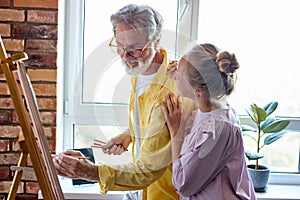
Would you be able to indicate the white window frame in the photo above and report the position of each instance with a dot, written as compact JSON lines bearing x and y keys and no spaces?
{"x":69,"y":69}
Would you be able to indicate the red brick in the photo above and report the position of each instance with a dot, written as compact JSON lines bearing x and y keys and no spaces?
{"x":35,"y":31}
{"x":37,"y":60}
{"x":44,"y":89}
{"x":13,"y":44}
{"x":9,"y":131}
{"x":5,"y":186}
{"x":42,"y":75}
{"x":32,"y":187}
{"x":46,"y":103}
{"x":50,"y":132}
{"x":9,"y":158}
{"x":36,"y":3}
{"x":4,"y":145}
{"x":53,"y":132}
{"x":4,"y":89}
{"x":4,"y":172}
{"x":26,"y":197}
{"x":41,"y":16}
{"x":48,"y":118}
{"x":41,"y":46}
{"x":5,"y":117}
{"x":29,"y":175}
{"x":2,"y":77}
{"x":16,"y":146}
{"x":6,"y":103}
{"x":5,"y":3}
{"x":12,"y":15}
{"x":15,"y":119}
{"x":52,"y":145}
{"x":5,"y":30}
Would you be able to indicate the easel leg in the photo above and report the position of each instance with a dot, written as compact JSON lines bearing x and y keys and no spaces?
{"x":18,"y":174}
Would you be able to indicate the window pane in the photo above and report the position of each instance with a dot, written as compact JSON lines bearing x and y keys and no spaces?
{"x":265,"y":38}
{"x":282,"y":155}
{"x":104,"y":79}
{"x":84,"y":138}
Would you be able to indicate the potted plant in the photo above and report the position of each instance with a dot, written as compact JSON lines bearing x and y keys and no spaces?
{"x":266,"y":130}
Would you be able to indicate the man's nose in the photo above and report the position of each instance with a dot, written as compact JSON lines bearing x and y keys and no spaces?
{"x":125,"y":54}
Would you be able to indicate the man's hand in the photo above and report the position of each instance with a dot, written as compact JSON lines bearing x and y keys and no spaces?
{"x":68,"y":164}
{"x":117,"y":145}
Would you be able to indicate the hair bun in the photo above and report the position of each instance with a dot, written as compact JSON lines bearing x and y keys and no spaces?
{"x":227,"y":62}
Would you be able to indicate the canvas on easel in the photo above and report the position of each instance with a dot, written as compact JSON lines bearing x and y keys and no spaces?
{"x":32,"y":138}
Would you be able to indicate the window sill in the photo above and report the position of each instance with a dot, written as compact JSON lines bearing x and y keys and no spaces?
{"x":280,"y":192}
{"x":85,"y":192}
{"x":91,"y":192}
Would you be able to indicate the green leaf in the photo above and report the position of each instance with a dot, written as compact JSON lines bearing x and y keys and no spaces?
{"x":253,"y":156}
{"x":268,"y":121}
{"x":270,"y":107}
{"x":262,"y":115}
{"x":256,"y":113}
{"x":275,"y":136}
{"x":251,"y":113}
{"x":276,"y":126}
{"x":248,"y":128}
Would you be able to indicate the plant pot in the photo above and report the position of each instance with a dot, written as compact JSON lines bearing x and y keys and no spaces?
{"x":259,"y":177}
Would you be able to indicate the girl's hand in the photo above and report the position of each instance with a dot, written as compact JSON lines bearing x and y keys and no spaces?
{"x":174,"y":116}
{"x":172,"y":68}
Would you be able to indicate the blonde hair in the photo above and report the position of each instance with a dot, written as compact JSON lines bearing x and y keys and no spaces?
{"x":211,"y":68}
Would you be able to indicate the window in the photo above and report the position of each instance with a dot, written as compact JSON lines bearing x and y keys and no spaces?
{"x":94,"y":87}
{"x":265,"y":40}
{"x":91,"y":101}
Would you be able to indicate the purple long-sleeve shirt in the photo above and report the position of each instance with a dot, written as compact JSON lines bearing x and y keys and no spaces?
{"x":212,"y":164}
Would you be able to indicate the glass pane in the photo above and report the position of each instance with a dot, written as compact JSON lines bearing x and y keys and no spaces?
{"x":282,"y":155}
{"x":104,"y":79}
{"x":265,"y":39}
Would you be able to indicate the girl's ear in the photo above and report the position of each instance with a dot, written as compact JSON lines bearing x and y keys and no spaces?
{"x":198,"y":92}
{"x":201,"y":92}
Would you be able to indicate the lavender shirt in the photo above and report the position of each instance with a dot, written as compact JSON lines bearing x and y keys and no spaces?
{"x":212,"y":165}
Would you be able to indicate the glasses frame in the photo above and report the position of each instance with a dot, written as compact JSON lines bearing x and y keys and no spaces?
{"x":141,"y":50}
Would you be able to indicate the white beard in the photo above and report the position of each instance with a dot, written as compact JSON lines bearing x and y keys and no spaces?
{"x":142,"y":66}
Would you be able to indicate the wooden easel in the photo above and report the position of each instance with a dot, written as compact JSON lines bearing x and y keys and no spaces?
{"x":32,"y":138}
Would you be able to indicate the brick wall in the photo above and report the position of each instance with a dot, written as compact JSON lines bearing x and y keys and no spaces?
{"x":29,"y":26}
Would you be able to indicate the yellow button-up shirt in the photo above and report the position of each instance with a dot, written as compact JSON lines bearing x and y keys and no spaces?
{"x":152,"y":170}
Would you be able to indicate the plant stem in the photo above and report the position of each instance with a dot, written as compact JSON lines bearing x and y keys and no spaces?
{"x":258,"y":144}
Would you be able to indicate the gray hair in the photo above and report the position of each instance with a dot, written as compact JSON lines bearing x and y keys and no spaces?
{"x":141,"y":18}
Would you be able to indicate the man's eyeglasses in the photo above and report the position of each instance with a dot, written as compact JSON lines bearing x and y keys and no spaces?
{"x":137,"y":53}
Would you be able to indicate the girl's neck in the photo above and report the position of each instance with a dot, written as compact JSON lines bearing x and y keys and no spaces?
{"x":206,"y":105}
